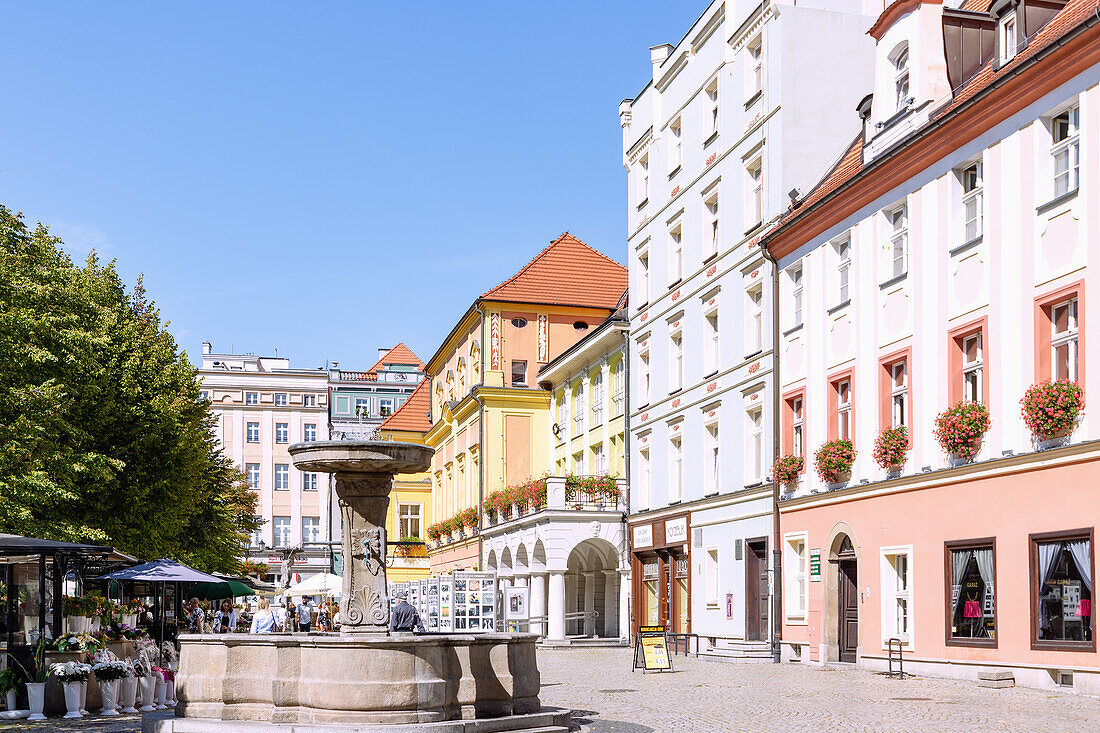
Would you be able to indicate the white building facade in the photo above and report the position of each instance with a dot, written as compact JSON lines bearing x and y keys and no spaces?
{"x":747,"y":106}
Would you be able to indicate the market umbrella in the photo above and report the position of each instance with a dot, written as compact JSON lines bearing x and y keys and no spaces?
{"x":321,"y":584}
{"x":224,"y":589}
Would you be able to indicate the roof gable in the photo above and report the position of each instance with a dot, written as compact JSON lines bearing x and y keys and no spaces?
{"x":399,"y":354}
{"x":413,"y":413}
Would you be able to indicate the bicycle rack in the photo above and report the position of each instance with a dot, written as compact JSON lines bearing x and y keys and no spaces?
{"x":893,"y":647}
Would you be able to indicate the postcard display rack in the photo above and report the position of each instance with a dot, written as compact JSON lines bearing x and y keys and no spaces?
{"x":456,"y":602}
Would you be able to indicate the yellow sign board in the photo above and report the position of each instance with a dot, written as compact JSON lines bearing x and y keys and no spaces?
{"x":651,"y":650}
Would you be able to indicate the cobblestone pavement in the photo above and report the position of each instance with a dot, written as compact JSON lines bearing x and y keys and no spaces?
{"x":713,"y":695}
{"x":90,"y":724}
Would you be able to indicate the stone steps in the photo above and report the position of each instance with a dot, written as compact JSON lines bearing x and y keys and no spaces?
{"x":996,"y":680}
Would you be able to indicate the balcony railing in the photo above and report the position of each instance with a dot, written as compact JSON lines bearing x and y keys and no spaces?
{"x":345,"y":376}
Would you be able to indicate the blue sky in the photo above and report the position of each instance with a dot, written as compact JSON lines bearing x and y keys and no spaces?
{"x":322,"y":178}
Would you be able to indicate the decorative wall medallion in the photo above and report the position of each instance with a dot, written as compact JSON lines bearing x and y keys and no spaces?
{"x":712,"y":413}
{"x":754,"y":274}
{"x":755,"y":397}
{"x":645,"y":416}
{"x":676,"y":295}
{"x":676,"y":402}
{"x":712,"y":386}
{"x":711,"y":301}
{"x":713,"y":269}
{"x":645,"y":316}
{"x":754,"y":367}
{"x":713,"y":157}
{"x":674,"y":192}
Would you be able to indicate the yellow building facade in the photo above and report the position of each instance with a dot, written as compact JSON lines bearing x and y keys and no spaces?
{"x":491,"y":421}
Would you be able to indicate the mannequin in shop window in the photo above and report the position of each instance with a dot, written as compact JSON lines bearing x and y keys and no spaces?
{"x":1065,"y":593}
{"x":973,"y":602}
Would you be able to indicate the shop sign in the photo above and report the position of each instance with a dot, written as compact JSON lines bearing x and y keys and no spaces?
{"x":676,"y":531}
{"x":729,"y":606}
{"x":815,"y":566}
{"x":517,"y":603}
{"x":643,"y":536}
{"x":651,"y":650}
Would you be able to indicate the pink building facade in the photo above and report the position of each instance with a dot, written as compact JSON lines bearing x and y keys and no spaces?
{"x":950,"y":255}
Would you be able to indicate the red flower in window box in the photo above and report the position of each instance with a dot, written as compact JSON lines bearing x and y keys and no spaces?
{"x":787,"y":470}
{"x":961,"y":428}
{"x":833,"y":461}
{"x":1050,"y":409}
{"x":891,"y":445}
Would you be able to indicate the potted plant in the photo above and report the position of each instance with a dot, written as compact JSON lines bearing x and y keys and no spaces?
{"x":36,"y":677}
{"x":891,"y":445}
{"x":109,"y":673}
{"x":127,"y":694}
{"x":1051,"y":409}
{"x":833,"y":461}
{"x":536,"y":493}
{"x":71,"y":675}
{"x":162,"y":676}
{"x":961,"y":428}
{"x":787,"y":470}
{"x":9,"y":687}
{"x":468,"y":517}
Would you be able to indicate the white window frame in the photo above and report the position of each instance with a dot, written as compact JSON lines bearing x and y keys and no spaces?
{"x":599,"y":461}
{"x":309,"y":481}
{"x":712,"y":458}
{"x":675,"y":255}
{"x":643,"y":265}
{"x":309,"y":432}
{"x":754,"y":334}
{"x":901,"y":78}
{"x":1070,"y":147}
{"x":711,"y":575}
{"x":676,"y":361}
{"x":972,"y":371}
{"x":309,"y":400}
{"x":280,"y":531}
{"x":643,"y":180}
{"x":754,"y":67}
{"x":796,"y":569}
{"x":312,"y":532}
{"x":797,"y":276}
{"x":248,"y":432}
{"x":618,"y":397}
{"x":675,"y":145}
{"x":252,"y":470}
{"x":972,"y":201}
{"x":714,"y":233}
{"x":893,"y":592}
{"x":754,"y":445}
{"x":712,"y":343}
{"x":843,"y":410}
{"x":644,"y":378}
{"x":282,"y":476}
{"x":1067,"y":338}
{"x":712,"y":96}
{"x":1006,"y":31}
{"x":252,"y":398}
{"x":798,"y":433}
{"x":280,"y":399}
{"x":579,"y":466}
{"x":282,"y":432}
{"x":897,"y":224}
{"x":899,"y":393}
{"x":597,"y":398}
{"x":402,"y":518}
{"x":523,"y":373}
{"x":644,"y":479}
{"x":385,"y":406}
{"x":843,"y":250}
{"x":563,"y":415}
{"x":676,"y":468}
{"x":580,"y":409}
{"x":754,"y":188}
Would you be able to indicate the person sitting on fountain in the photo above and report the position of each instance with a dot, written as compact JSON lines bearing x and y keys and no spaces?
{"x":404,"y":616}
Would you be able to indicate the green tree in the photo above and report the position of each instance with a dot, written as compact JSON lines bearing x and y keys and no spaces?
{"x":103,"y":435}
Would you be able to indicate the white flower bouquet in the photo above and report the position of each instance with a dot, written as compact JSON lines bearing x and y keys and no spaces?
{"x":111,"y":670}
{"x":70,"y":671}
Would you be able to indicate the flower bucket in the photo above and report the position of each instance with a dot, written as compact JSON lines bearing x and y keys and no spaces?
{"x":148,"y":684}
{"x":840,"y":478}
{"x":108,"y":689}
{"x":162,"y":689}
{"x":72,"y":699}
{"x":36,"y":699}
{"x":130,"y":619}
{"x":128,"y":694}
{"x":170,"y":695}
{"x":78,"y":624}
{"x":84,"y":697}
{"x":11,"y":699}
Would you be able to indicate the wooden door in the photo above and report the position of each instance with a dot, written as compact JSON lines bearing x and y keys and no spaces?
{"x":666,"y":589}
{"x":848,"y":607}
{"x":756,"y":591}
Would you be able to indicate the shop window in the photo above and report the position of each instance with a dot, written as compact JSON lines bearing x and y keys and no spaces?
{"x":1062,"y":572}
{"x":972,"y":602}
{"x":711,"y":576}
{"x":649,"y":584}
{"x":897,"y":594}
{"x":797,"y":572}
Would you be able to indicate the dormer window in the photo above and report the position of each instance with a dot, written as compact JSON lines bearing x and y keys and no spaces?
{"x":900,"y":60}
{"x":1006,"y":32}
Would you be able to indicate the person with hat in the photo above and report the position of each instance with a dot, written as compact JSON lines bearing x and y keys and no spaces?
{"x":404,"y":616}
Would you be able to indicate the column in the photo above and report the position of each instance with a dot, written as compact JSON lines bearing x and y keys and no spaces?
{"x":610,"y":602}
{"x":589,"y":603}
{"x":624,"y":603}
{"x":605,"y":375}
{"x":538,"y":602}
{"x":556,"y":606}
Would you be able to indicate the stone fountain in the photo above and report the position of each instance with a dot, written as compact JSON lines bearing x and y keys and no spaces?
{"x":364,"y":678}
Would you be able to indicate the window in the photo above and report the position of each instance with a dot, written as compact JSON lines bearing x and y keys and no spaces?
{"x":643,"y":378}
{"x":972,"y":368}
{"x":675,"y":146}
{"x":897,"y":595}
{"x":971,"y":606}
{"x":755,"y":458}
{"x":643,"y":479}
{"x":712,"y":465}
{"x":280,"y":399}
{"x":1062,"y":572}
{"x":754,"y":68}
{"x":309,"y":481}
{"x":311,"y":529}
{"x":899,"y":239}
{"x":519,"y":322}
{"x":710,"y":344}
{"x":676,"y":361}
{"x":972,"y":202}
{"x":901,"y":77}
{"x":519,"y":373}
{"x":580,"y":413}
{"x":1007,"y":37}
{"x":675,"y":256}
{"x":643,"y":266}
{"x":309,"y":432}
{"x":597,"y":398}
{"x":282,"y":476}
{"x":281,"y":529}
{"x":797,"y":572}
{"x":1063,"y":340}
{"x":362,"y":407}
{"x":618,"y":397}
{"x":1066,"y":151}
{"x":711,"y":574}
{"x":796,"y":426}
{"x":253,"y":433}
{"x":712,"y":234}
{"x":712,"y":96}
{"x":578,"y":464}
{"x":676,"y":470}
{"x":843,"y":266}
{"x":843,"y":394}
{"x":643,"y":180}
{"x":309,"y":400}
{"x":282,"y":432}
{"x":253,"y":472}
{"x":252,"y":398}
{"x":599,"y":461}
{"x":408,"y":517}
{"x":563,"y":414}
{"x":796,"y":295}
{"x":257,"y":535}
{"x":385,"y":406}
{"x":755,"y":199}
{"x":899,"y":394}
{"x":755,"y":333}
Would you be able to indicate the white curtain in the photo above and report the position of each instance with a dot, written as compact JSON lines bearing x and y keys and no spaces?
{"x":1081,"y":553}
{"x":959,"y":561}
{"x":1049,"y":552}
{"x":985,"y":564}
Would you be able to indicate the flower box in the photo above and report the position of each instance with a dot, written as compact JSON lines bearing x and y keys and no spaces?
{"x":833,"y":461}
{"x":891,"y":447}
{"x":960,"y":430}
{"x":787,"y":470}
{"x":1051,"y":409}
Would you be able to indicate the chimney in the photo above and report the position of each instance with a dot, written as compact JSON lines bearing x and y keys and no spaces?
{"x":382,"y":353}
{"x":657,"y":56}
{"x":206,"y":347}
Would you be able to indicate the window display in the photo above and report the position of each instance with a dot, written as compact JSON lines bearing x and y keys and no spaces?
{"x":973,"y":607}
{"x":1062,"y":570}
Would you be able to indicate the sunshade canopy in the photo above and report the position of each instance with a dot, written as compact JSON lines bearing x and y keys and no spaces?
{"x":223,"y":589}
{"x":162,"y":570}
{"x":321,"y":584}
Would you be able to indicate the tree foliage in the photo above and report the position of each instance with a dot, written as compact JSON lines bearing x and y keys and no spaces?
{"x":103,"y":435}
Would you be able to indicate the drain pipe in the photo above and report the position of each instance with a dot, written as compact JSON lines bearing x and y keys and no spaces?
{"x":777,"y":572}
{"x":627,"y":539}
{"x":481,"y":442}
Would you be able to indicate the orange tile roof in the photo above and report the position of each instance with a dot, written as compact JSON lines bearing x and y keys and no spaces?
{"x":413,"y":413}
{"x":568,"y":272}
{"x":976,"y":6}
{"x":399,"y":354}
{"x":851,"y":165}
